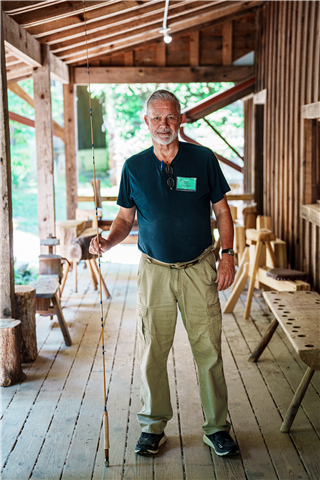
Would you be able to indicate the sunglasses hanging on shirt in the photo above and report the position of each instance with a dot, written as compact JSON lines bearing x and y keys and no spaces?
{"x":170,"y":181}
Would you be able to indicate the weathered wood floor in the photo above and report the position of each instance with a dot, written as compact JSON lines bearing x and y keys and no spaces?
{"x":51,"y":423}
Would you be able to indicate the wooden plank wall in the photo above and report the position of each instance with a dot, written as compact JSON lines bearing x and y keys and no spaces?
{"x":289,"y":68}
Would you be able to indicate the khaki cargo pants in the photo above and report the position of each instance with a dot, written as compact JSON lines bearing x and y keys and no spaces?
{"x":160,"y":290}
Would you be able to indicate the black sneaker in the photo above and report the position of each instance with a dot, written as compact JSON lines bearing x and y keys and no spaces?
{"x":149,"y":443}
{"x":222,"y":443}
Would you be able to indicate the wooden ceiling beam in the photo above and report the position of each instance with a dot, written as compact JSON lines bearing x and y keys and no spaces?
{"x":116,"y":21}
{"x":16,"y":7}
{"x":56,"y":11}
{"x":162,"y":74}
{"x":46,"y":30}
{"x":28,"y":50}
{"x":132,"y":39}
{"x":141,"y":23}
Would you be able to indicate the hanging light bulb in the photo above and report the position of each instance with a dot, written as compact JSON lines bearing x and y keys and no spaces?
{"x":166,"y":36}
{"x":165,"y":29}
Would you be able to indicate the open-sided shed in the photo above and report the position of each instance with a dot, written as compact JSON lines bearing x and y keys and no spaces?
{"x":46,"y":39}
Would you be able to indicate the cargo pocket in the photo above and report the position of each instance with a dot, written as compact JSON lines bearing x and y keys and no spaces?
{"x":215,"y":321}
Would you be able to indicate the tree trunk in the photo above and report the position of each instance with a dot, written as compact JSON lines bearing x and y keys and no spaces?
{"x":25,"y":308}
{"x":10,"y":365}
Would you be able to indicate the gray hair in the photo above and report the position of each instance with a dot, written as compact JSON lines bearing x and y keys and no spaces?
{"x":164,"y":95}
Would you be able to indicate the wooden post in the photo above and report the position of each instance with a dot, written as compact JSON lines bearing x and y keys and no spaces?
{"x":44,"y":140}
{"x":25,"y":307}
{"x":10,"y":365}
{"x":70,"y":147}
{"x":258,"y":157}
{"x":6,"y":230}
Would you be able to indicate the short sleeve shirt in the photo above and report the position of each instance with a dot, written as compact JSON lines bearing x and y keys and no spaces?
{"x":174,"y":224}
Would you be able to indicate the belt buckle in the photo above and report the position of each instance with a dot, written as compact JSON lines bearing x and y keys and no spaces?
{"x":184,"y":266}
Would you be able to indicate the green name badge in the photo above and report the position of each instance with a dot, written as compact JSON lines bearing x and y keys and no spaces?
{"x":188,"y":184}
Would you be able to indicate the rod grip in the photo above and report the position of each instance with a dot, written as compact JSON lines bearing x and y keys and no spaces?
{"x":106,"y":430}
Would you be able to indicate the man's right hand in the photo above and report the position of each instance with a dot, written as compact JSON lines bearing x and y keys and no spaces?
{"x":103,"y":244}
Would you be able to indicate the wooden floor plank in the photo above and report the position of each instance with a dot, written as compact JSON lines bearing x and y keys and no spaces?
{"x":29,"y":443}
{"x":196,"y":453}
{"x":169,"y":462}
{"x":54,"y":451}
{"x":254,"y":454}
{"x":284,"y":458}
{"x":261,"y":308}
{"x":304,"y":437}
{"x":43,"y":328}
{"x":119,"y":393}
{"x":19,"y":409}
{"x":287,"y":359}
{"x":81,"y":456}
{"x":136,"y":467}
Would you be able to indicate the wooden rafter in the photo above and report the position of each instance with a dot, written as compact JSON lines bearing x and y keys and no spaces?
{"x":138,"y":36}
{"x":74,"y":24}
{"x":142,"y":23}
{"x":26,"y":6}
{"x":56,"y":11}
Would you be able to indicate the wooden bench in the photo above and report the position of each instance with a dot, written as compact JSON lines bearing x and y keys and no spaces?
{"x":298,"y":313}
{"x":47,"y":287}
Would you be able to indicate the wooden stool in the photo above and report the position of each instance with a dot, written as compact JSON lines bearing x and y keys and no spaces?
{"x":256,"y":256}
{"x":47,"y":287}
{"x":298,"y":315}
{"x":79,"y":250}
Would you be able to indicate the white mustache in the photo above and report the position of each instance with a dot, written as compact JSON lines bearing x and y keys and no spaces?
{"x":167,"y":130}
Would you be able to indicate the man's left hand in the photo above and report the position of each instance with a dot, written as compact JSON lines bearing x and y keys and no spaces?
{"x":225,"y":273}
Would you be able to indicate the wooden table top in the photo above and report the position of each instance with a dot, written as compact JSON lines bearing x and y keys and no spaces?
{"x":299,"y":315}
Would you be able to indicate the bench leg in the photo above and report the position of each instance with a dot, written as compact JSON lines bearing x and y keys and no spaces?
{"x":296,"y":401}
{"x":252,"y":281}
{"x":75,"y":274}
{"x":244,"y":259}
{"x":62,"y":322}
{"x":92,"y":275}
{"x":64,"y":277}
{"x":237,"y":290}
{"x":264,"y":341}
{"x":96,"y":270}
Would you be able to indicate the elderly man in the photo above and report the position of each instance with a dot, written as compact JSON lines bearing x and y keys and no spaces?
{"x":172,"y":186}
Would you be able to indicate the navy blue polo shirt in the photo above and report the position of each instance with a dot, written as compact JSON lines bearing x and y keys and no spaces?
{"x":174,"y":225}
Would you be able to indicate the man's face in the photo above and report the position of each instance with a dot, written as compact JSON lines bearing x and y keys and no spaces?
{"x":163,"y":121}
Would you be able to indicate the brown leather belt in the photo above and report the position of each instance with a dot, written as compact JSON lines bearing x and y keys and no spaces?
{"x":181,"y":266}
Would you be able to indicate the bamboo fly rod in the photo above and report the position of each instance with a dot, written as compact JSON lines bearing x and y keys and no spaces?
{"x":105,"y":413}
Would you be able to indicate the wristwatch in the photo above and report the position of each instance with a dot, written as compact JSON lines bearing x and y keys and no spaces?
{"x":229,"y":251}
